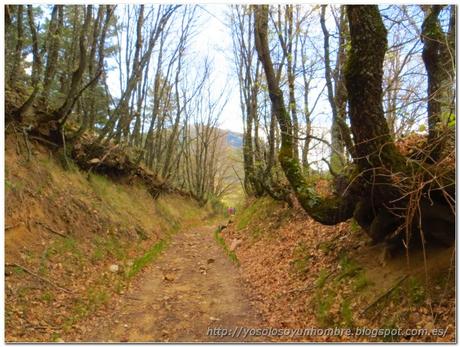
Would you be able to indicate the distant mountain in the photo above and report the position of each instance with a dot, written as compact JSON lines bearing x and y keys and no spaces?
{"x":234,"y":139}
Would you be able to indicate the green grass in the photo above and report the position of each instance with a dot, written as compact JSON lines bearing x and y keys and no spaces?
{"x":16,"y":187}
{"x":47,"y":296}
{"x":361,"y":282}
{"x":354,"y":226}
{"x":17,"y":270}
{"x":112,"y":194}
{"x":145,"y":259}
{"x":324,"y":302}
{"x":234,"y":197}
{"x":415,"y":290}
{"x":108,"y":246}
{"x":83,"y":306}
{"x":255,"y":232}
{"x":63,"y":247}
{"x":348,"y":268}
{"x":168,"y":218}
{"x":55,"y":336}
{"x":301,"y":259}
{"x":99,"y":254}
{"x":350,"y":275}
{"x":322,"y":277}
{"x":346,"y":313}
{"x":99,"y":294}
{"x":97,"y":297}
{"x":120,"y":211}
{"x":124,"y":206}
{"x":221,"y":242}
{"x":42,"y":270}
{"x":326,"y":247}
{"x":259,"y":210}
{"x":22,"y":292}
{"x":100,"y":184}
{"x":391,"y":326}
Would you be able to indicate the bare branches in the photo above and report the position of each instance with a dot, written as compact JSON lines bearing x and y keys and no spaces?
{"x":329,"y":211}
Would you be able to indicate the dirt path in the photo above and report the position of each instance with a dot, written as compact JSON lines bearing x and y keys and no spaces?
{"x":192,"y":287}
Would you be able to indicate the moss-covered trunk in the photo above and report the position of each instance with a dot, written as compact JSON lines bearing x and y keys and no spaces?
{"x":326,"y":211}
{"x":377,"y":199}
{"x":364,"y":71}
{"x":438,"y":56}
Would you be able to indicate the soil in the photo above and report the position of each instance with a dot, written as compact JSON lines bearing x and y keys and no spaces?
{"x":293,"y":273}
{"x":315,"y":276}
{"x":192,"y":288}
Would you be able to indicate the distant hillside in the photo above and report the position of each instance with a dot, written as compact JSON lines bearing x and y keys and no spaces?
{"x":234,"y":139}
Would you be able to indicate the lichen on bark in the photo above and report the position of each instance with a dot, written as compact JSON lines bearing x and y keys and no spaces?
{"x":375,"y":193}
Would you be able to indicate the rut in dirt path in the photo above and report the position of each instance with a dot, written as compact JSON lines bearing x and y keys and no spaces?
{"x":192,"y":287}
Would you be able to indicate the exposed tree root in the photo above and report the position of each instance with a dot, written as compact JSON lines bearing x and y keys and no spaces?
{"x":109,"y":159}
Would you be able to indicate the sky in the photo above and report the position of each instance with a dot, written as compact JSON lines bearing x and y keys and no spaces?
{"x":214,"y":39}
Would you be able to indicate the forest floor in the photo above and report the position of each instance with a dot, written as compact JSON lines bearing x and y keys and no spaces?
{"x":77,"y":243}
{"x":303,"y":275}
{"x":90,"y":259}
{"x":192,"y":290}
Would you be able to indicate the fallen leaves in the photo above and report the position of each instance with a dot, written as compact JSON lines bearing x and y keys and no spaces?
{"x":169,"y":277}
{"x":296,"y":273}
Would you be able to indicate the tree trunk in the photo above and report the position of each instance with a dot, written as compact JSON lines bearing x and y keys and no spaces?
{"x":54,"y":38}
{"x":36,"y":66}
{"x":17,"y":60}
{"x":291,"y":66}
{"x":375,"y":198}
{"x":337,"y":156}
{"x":438,"y":59}
{"x":327,"y":211}
{"x":64,"y":110}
